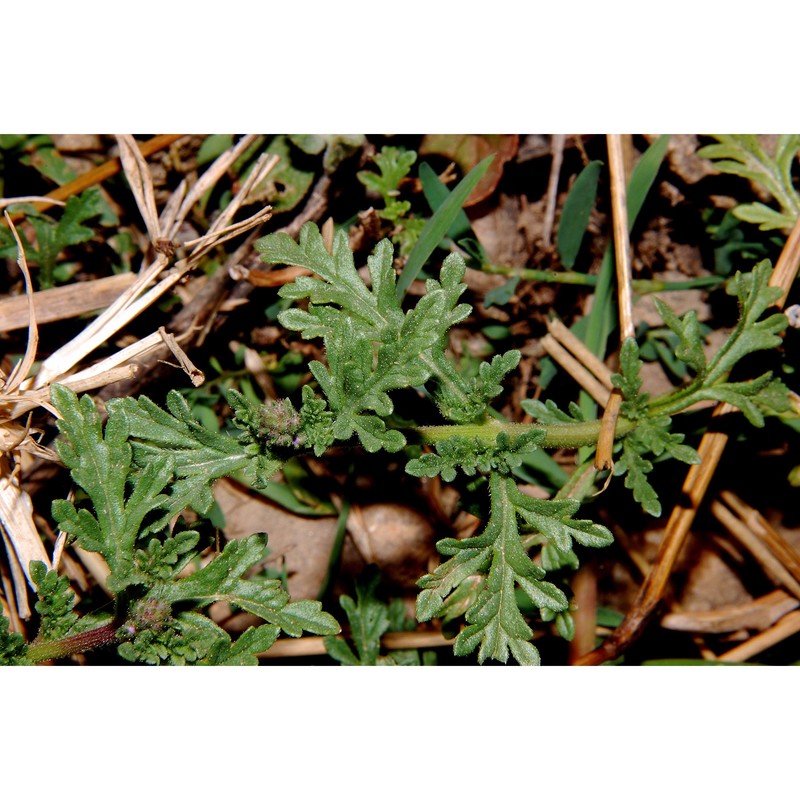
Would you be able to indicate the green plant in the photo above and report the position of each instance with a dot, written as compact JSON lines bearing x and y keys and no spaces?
{"x":148,"y":464}
{"x":369,"y":619}
{"x":394,"y":164}
{"x":53,"y":236}
{"x":374,"y":347}
{"x":138,"y":471}
{"x":743,"y":155}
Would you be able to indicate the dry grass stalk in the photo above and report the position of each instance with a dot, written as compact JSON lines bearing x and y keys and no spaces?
{"x":563,"y":335}
{"x":141,"y":183}
{"x":756,"y":615}
{"x":781,"y":549}
{"x":40,"y":398}
{"x":63,"y":302}
{"x":255,"y":365}
{"x":576,"y":370}
{"x":273,"y":277}
{"x":136,"y":298}
{"x":103,"y":327}
{"x":605,"y":443}
{"x":10,"y":610}
{"x":327,"y":230}
{"x":787,"y":626}
{"x":622,"y":246}
{"x":58,"y":549}
{"x":5,"y":202}
{"x":584,"y":587}
{"x":16,"y":437}
{"x":7,"y":604}
{"x":20,"y":536}
{"x":315,"y":645}
{"x":208,"y":179}
{"x":23,"y":366}
{"x":139,"y":352}
{"x":263,"y":166}
{"x":215,"y":238}
{"x":22,"y":540}
{"x":557,"y":151}
{"x":96,"y":566}
{"x":778,"y":560}
{"x":604,"y":455}
{"x":195,"y":375}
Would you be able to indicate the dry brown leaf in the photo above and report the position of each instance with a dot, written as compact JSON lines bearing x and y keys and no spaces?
{"x":395,"y":537}
{"x":469,"y":150}
{"x":301,"y":544}
{"x":504,"y":232}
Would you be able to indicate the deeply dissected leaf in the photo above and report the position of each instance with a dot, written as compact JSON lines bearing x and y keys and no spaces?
{"x":753,"y":398}
{"x":337,"y":147}
{"x":495,"y":624}
{"x":186,"y":638}
{"x":242,"y":652}
{"x":197,"y":455}
{"x":100,"y":463}
{"x":13,"y":646}
{"x":743,"y":155}
{"x":628,"y":381}
{"x":369,"y":620}
{"x":161,"y":561}
{"x":394,"y":164}
{"x":471,"y":455}
{"x":635,"y":467}
{"x":751,"y":333}
{"x":55,"y":603}
{"x":53,"y":237}
{"x":471,"y":401}
{"x":372,"y":346}
{"x":687,"y":328}
{"x":549,"y":413}
{"x":767,"y":219}
{"x":222,"y":579}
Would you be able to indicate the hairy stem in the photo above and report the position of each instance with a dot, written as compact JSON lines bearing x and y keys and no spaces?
{"x":70,"y":645}
{"x":643,"y":286}
{"x":569,"y":435}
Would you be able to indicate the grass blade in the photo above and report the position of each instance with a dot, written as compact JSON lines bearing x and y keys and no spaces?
{"x":575,"y":215}
{"x":436,"y":193}
{"x":439,"y":224}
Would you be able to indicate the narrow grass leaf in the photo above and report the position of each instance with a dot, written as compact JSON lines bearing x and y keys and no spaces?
{"x":438,"y":226}
{"x":576,"y":212}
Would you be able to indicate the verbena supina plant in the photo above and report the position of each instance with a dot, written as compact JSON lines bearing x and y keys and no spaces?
{"x":147,"y":464}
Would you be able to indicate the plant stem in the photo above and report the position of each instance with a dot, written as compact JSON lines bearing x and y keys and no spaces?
{"x":643,"y":286}
{"x":79,"y":643}
{"x":569,"y":435}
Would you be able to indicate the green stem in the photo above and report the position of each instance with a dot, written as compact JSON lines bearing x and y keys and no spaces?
{"x":70,"y":645}
{"x":643,"y":286}
{"x":568,"y":435}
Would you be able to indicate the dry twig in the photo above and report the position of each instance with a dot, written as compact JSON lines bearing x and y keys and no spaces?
{"x":557,"y":151}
